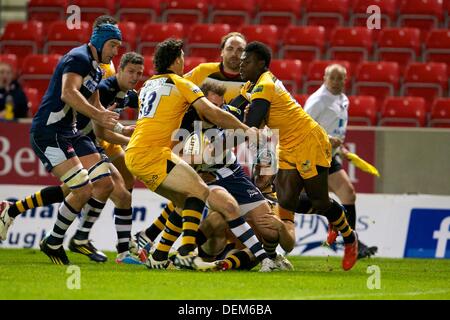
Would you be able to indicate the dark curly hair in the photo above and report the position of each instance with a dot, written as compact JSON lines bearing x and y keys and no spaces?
{"x":261,"y":51}
{"x":166,"y":53}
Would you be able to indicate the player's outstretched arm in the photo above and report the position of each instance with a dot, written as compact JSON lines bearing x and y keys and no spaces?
{"x":215,"y":115}
{"x":121,"y":133}
{"x":70,"y":94}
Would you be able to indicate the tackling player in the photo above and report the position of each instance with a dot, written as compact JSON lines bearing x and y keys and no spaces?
{"x":164,"y":99}
{"x":329,"y":107}
{"x":304,"y":154}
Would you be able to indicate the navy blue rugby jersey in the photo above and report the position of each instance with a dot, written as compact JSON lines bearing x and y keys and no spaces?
{"x":53,"y":113}
{"x":110,"y":93}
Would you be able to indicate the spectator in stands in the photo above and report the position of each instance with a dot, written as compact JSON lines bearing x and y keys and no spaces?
{"x":13,"y":101}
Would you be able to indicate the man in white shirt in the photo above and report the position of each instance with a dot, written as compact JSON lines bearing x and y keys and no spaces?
{"x":329,"y":107}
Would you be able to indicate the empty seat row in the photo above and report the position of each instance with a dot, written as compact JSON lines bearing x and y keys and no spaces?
{"x":405,"y":111}
{"x":401,"y":45}
{"x":329,"y":13}
{"x":378,"y":79}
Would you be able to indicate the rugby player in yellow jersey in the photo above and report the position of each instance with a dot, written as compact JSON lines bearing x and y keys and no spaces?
{"x":164,"y":99}
{"x":226,"y":74}
{"x":304,"y":151}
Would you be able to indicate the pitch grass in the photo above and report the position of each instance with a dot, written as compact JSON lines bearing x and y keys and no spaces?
{"x":28,"y":274}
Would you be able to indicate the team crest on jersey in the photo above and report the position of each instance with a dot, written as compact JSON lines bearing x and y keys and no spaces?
{"x":258,"y":89}
{"x":306,"y":166}
{"x":252,"y":192}
{"x":196,"y":89}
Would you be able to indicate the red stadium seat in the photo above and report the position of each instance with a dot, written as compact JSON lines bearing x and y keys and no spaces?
{"x":446,"y":7}
{"x":422,"y":14}
{"x":37,"y":71}
{"x":46,"y":10}
{"x":187,"y":12}
{"x":91,"y":9}
{"x":204,"y":40}
{"x":427,"y":80}
{"x":60,"y":39}
{"x":191,"y":62}
{"x":353,"y":44}
{"x":138,"y":11}
{"x":280,"y":13}
{"x":440,"y":113}
{"x":34,"y":100}
{"x":21,"y":39}
{"x":149,"y":70}
{"x":403,"y":112}
{"x":129,"y":114}
{"x":301,"y":98}
{"x":327,"y":13}
{"x":362,"y":111}
{"x":388,"y":11}
{"x":10,"y":59}
{"x":268,"y":34}
{"x":305,"y":43}
{"x":129,"y":36}
{"x":437,"y":47}
{"x":289,"y":72}
{"x":378,"y":79}
{"x":401,"y":45}
{"x":153,"y":33}
{"x":232,"y":12}
{"x":316,"y":71}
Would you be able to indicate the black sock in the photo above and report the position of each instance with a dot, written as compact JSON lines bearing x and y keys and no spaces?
{"x":350,"y":214}
{"x":123,"y":220}
{"x":44,"y":197}
{"x":158,"y":224}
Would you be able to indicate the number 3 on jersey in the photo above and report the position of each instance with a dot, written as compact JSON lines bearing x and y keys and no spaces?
{"x":150,"y":96}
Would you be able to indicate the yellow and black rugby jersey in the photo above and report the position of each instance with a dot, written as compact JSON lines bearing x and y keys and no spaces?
{"x":213,"y":71}
{"x":284,"y":114}
{"x":108,"y":70}
{"x":163,"y":101}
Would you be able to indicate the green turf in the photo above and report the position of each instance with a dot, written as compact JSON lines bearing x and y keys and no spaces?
{"x":28,"y":274}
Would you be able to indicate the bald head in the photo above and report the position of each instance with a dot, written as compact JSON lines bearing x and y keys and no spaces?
{"x":335,"y":76}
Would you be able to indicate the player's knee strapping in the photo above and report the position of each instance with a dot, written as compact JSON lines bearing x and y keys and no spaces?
{"x":99,"y":170}
{"x":76,"y":177}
